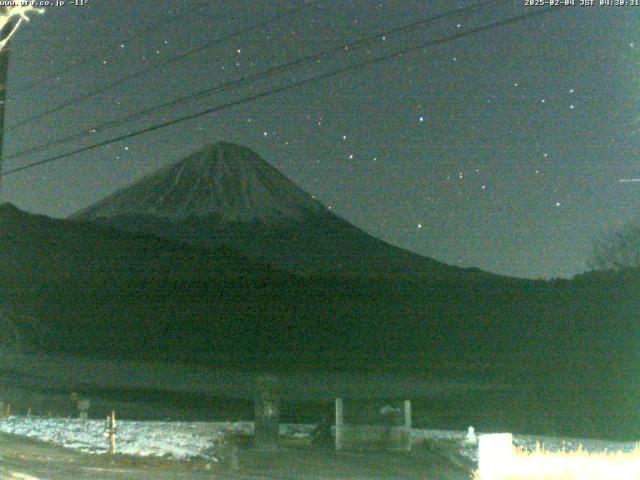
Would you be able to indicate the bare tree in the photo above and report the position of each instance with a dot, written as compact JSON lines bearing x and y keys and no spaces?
{"x":617,"y":251}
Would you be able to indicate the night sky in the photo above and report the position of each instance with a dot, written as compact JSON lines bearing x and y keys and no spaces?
{"x":508,"y":150}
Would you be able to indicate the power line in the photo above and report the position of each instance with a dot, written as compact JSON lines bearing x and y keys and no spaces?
{"x":260,"y":75}
{"x":157,"y":66}
{"x":291,"y":86}
{"x":91,"y":56}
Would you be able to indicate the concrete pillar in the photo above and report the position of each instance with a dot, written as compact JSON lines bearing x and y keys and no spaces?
{"x":339,"y":423}
{"x":407,"y":414}
{"x":267,"y":412}
{"x":83,"y":409}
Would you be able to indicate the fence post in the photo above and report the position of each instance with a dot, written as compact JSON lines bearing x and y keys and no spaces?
{"x":110,"y":432}
{"x":339,"y":423}
{"x":406,"y":442}
{"x":495,"y":455}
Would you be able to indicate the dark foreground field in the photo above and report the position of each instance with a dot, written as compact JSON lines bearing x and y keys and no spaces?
{"x":542,"y":356}
{"x":151,"y":391}
{"x":552,"y":402}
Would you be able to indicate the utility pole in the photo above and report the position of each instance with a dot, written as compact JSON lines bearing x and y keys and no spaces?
{"x":4,"y":71}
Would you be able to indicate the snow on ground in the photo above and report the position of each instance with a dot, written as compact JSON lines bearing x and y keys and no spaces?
{"x":183,"y":440}
{"x":179,"y":440}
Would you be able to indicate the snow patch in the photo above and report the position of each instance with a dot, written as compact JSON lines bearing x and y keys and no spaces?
{"x":179,"y":440}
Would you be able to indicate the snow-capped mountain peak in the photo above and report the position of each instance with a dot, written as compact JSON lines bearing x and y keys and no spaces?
{"x":227,"y":181}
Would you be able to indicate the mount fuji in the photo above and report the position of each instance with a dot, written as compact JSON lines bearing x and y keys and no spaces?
{"x":225,"y":194}
{"x":225,"y":181}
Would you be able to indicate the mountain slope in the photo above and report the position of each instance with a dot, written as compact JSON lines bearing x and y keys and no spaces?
{"x":64,"y":250}
{"x":99,"y":291}
{"x":225,"y":194}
